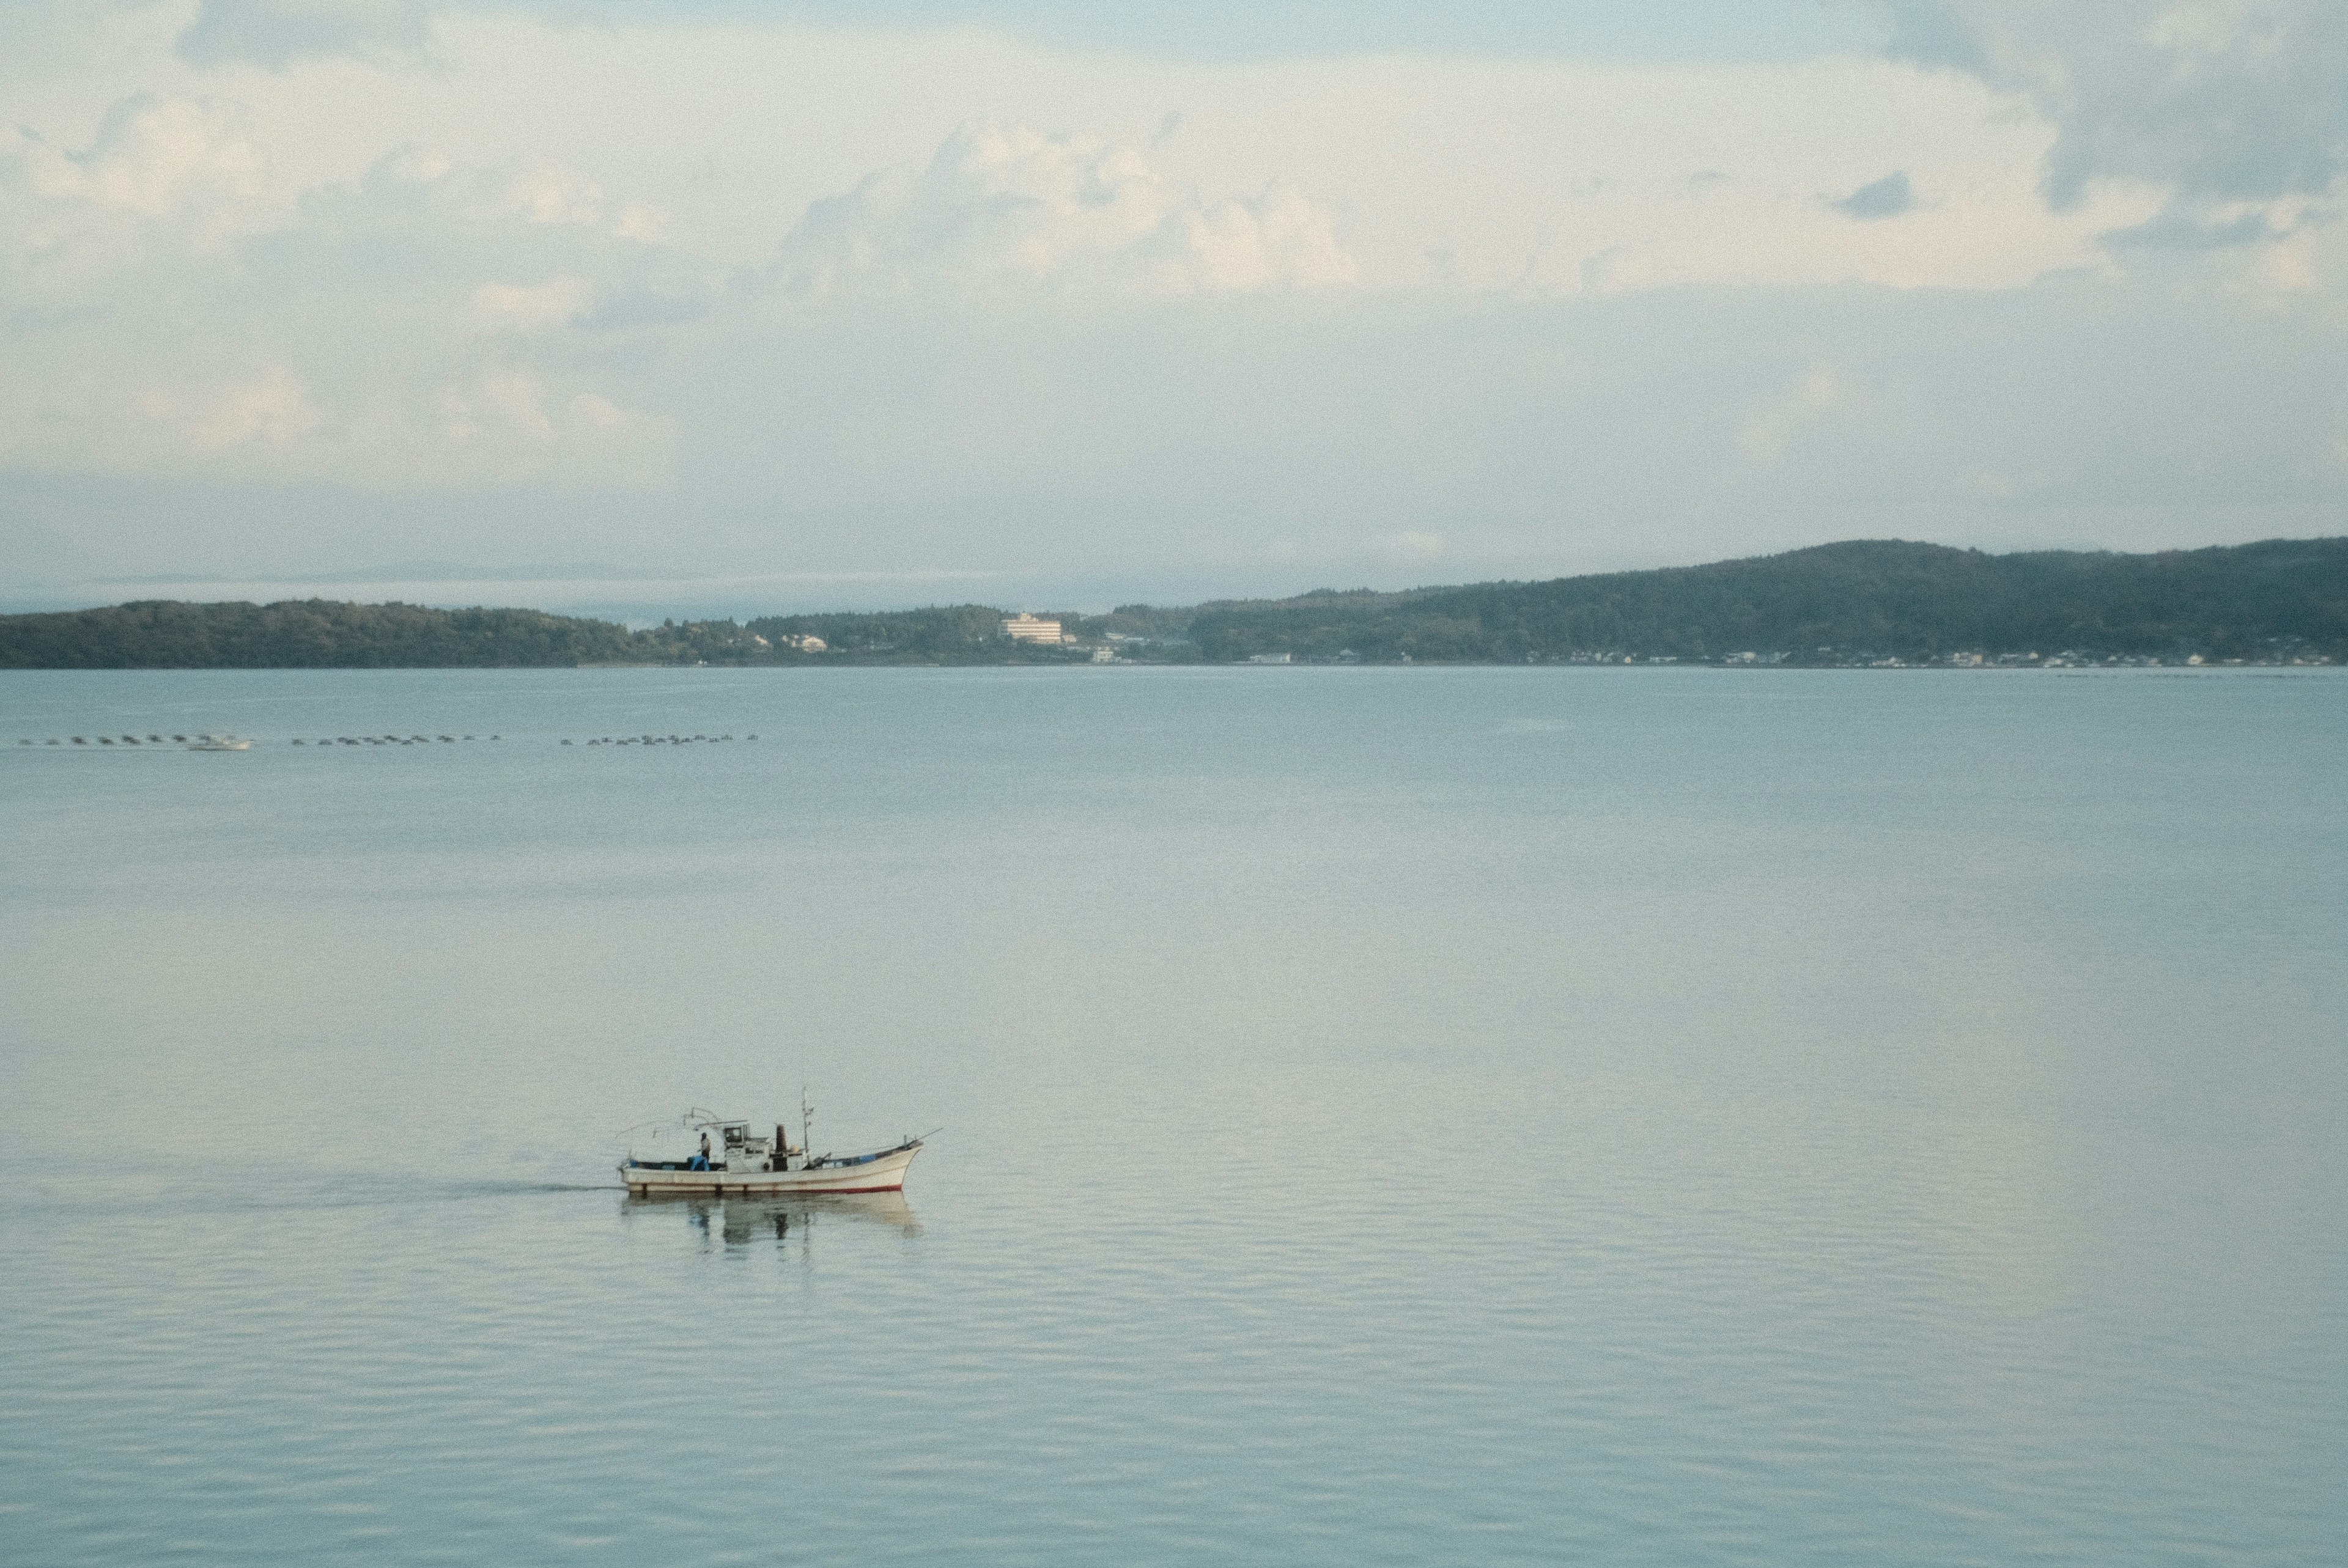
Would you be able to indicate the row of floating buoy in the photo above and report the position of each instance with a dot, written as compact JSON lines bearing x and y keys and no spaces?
{"x":393,"y":740}
{"x":183,"y":739}
{"x":390,"y":740}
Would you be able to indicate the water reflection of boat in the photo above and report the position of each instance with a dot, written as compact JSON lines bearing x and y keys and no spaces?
{"x":745,"y":1162}
{"x":742,"y":1220}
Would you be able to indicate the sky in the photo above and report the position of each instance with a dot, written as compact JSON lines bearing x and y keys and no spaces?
{"x":711,"y":306}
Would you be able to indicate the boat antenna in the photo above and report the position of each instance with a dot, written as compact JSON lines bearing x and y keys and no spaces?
{"x":807,"y":1119}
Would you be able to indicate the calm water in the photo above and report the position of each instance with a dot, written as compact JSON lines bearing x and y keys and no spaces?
{"x":1391,"y":1117}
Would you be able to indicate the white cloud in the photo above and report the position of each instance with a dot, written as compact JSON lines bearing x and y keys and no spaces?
{"x":505,"y":424}
{"x":501,"y":404}
{"x":272,"y":410}
{"x":416,"y":179}
{"x":160,"y":174}
{"x":1010,"y":204}
{"x":1578,"y":180}
{"x":1768,"y":429}
{"x":640,"y":221}
{"x":153,"y":156}
{"x":147,"y":215}
{"x":515,"y":307}
{"x":163,"y":313}
{"x":548,"y":195}
{"x":498,"y":425}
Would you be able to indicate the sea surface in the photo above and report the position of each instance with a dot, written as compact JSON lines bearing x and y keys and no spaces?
{"x":1388,"y":1116}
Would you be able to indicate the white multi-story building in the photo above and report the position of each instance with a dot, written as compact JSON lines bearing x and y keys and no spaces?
{"x":1025,"y":628}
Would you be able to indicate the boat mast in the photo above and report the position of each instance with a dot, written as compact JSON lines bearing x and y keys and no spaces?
{"x":807,"y":1118}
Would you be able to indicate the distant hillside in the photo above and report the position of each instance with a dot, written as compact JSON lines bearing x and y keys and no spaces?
{"x":169,"y":634}
{"x":1841,"y":603}
{"x":166,"y":634}
{"x":1860,"y":602}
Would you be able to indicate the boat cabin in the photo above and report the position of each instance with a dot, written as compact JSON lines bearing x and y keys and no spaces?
{"x":732,"y":1146}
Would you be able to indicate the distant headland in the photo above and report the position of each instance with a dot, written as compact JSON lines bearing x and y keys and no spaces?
{"x":1861,"y":603}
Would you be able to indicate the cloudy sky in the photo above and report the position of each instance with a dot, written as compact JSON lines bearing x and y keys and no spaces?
{"x":722,"y":305}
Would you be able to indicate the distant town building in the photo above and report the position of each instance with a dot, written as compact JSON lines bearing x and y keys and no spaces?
{"x":1271,"y":658}
{"x":805,"y":644}
{"x":1025,"y":628}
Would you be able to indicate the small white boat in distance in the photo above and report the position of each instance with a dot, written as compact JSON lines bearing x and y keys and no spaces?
{"x":219,"y":744}
{"x":736,"y":1162}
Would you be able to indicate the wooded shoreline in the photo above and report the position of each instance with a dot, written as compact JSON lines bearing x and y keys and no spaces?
{"x":1858,"y":603}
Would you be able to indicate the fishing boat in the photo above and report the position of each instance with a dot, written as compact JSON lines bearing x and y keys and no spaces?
{"x":219,"y":744}
{"x":731,"y":1159}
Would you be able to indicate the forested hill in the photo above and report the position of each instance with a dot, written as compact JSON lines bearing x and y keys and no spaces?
{"x":1855,"y":602}
{"x":1860,"y":602}
{"x":167,"y":634}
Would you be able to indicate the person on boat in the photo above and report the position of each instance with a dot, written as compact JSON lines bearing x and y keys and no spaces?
{"x":701,"y":1162}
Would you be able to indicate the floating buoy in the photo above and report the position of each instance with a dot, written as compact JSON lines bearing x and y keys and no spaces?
{"x":179,"y":737}
{"x":79,"y":742}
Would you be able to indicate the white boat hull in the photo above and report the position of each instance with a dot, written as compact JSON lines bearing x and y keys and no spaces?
{"x":881,"y":1174}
